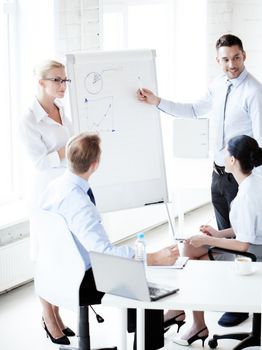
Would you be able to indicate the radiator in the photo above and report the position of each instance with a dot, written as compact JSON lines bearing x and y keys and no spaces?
{"x":16,"y":267}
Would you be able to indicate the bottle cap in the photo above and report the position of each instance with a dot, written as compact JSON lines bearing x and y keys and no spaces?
{"x":140,"y":235}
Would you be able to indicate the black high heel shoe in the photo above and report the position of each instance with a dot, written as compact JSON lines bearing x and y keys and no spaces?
{"x":192,"y":339}
{"x":62,"y":340}
{"x":68,"y":332}
{"x":172,"y":321}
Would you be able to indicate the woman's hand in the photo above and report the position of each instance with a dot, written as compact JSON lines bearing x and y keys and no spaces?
{"x":209,"y":230}
{"x":198,"y":240}
{"x":61,"y":153}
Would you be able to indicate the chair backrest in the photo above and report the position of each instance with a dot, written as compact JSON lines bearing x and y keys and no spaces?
{"x":59,"y":268}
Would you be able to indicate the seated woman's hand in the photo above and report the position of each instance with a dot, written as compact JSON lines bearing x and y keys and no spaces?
{"x":198,"y":240}
{"x":208,"y":230}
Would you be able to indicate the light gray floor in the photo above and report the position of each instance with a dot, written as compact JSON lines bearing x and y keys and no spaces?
{"x":20,"y":311}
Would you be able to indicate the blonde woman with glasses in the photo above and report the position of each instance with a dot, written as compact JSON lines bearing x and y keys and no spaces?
{"x":45,"y":131}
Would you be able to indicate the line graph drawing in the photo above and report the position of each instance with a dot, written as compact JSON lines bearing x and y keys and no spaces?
{"x":99,"y":116}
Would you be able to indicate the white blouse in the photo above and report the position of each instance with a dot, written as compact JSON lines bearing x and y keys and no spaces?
{"x":42,"y":136}
{"x":246,"y":211}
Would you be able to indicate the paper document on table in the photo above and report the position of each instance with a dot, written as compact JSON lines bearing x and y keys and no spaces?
{"x":179,"y":264}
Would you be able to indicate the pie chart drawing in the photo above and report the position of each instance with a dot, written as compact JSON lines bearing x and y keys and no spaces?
{"x":94,"y":83}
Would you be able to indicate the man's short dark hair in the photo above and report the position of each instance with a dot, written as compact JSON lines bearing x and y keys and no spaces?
{"x":82,"y":151}
{"x":229,"y":40}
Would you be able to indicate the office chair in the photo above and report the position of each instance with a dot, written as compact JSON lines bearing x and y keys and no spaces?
{"x":248,"y":339}
{"x":59,"y":270}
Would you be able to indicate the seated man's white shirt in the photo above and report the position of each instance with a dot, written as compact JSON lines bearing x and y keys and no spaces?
{"x":246,"y":211}
{"x":67,"y":196}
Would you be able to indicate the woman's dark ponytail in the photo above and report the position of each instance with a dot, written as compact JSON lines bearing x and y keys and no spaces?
{"x":256,"y":157}
{"x":247,"y":151}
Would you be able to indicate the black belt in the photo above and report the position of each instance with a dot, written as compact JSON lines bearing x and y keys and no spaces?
{"x":220,"y":170}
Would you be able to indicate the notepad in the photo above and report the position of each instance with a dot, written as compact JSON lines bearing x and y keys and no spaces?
{"x":179,"y":264}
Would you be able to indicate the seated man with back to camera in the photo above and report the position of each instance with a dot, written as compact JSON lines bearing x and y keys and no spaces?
{"x":70,"y":196}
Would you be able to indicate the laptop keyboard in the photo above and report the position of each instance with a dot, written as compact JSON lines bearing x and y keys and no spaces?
{"x":157,"y":292}
{"x":154,"y":292}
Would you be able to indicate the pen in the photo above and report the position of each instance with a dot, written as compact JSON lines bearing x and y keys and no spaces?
{"x":140,"y":84}
{"x":208,"y":221}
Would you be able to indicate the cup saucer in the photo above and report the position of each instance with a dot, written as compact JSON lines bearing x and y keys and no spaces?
{"x":246,"y":273}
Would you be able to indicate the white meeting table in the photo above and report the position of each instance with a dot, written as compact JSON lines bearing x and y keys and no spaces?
{"x":203,"y":285}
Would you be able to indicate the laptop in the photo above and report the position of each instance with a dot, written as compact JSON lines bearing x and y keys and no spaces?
{"x":126,"y":278}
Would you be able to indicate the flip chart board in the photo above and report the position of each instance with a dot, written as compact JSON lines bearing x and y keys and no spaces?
{"x":103,"y":100}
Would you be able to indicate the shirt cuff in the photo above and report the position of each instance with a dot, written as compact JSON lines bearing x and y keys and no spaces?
{"x":162,"y":106}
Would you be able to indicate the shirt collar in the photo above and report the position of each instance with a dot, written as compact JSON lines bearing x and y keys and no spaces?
{"x":246,"y":181}
{"x":39,"y":111}
{"x":237,"y":81}
{"x":77,"y":180}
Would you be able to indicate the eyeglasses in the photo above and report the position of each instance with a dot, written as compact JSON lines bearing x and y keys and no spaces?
{"x":59,"y":80}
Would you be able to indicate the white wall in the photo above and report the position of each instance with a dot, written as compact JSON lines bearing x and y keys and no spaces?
{"x":247,"y":23}
{"x":242,"y":18}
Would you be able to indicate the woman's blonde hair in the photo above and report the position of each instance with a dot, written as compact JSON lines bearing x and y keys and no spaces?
{"x":42,"y":69}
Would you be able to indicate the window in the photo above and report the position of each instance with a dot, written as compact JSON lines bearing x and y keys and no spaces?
{"x":21,"y":48}
{"x":6,"y":174}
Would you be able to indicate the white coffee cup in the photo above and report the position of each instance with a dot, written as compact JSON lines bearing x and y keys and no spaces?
{"x":243,"y":265}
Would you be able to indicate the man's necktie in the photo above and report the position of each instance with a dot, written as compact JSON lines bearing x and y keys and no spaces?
{"x":91,"y":196}
{"x":221,"y":128}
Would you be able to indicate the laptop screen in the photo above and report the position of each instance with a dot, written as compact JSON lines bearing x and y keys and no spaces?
{"x":120,"y":276}
{"x":124,"y":277}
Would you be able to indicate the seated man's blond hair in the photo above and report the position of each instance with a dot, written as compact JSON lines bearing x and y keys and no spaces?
{"x":83,"y":150}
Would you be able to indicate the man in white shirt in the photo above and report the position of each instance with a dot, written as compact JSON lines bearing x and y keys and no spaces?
{"x":234,"y":103}
{"x":70,"y":196}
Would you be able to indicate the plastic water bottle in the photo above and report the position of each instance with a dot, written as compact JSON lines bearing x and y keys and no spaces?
{"x":140,"y":247}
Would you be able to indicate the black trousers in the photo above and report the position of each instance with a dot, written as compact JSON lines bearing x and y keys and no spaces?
{"x":223,"y":190}
{"x":154,"y":329}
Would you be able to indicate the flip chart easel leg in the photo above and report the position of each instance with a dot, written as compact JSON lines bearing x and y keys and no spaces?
{"x":181,"y":216}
